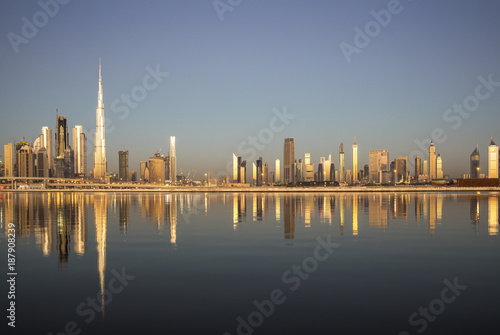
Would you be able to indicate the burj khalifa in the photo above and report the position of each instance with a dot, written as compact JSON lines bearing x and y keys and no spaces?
{"x":100,"y":141}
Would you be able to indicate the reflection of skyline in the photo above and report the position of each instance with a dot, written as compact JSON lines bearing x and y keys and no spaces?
{"x":100,"y":218}
{"x":493,"y":215}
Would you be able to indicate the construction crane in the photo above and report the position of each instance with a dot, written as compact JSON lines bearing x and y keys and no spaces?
{"x":191,"y":174}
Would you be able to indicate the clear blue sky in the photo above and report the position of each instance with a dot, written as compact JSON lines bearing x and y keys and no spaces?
{"x":226,"y":76}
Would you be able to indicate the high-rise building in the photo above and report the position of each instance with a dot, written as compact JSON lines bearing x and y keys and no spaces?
{"x":401,"y":170}
{"x":236,"y":169}
{"x":69,"y":163}
{"x":432,"y":161}
{"x":62,"y":138}
{"x":492,"y":159}
{"x":439,"y":167}
{"x":379,"y":163}
{"x":8,"y":157}
{"x":299,"y":170}
{"x":425,"y":168}
{"x":143,"y":167}
{"x":123,"y":165}
{"x":288,"y":161}
{"x":243,"y":172}
{"x":259,"y":171}
{"x":277,"y":170}
{"x":47,"y":144}
{"x":79,"y":151}
{"x":25,"y":160}
{"x":42,"y":164}
{"x":418,"y":166}
{"x":308,"y":168}
{"x":265,"y":174}
{"x":326,"y":168}
{"x":254,"y":173}
{"x":99,"y":171}
{"x":355,"y":161}
{"x":157,"y":169}
{"x":474,"y":163}
{"x":167,"y":167}
{"x":173,"y":160}
{"x":341,"y":165}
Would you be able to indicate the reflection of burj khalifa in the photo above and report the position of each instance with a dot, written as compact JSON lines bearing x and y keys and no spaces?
{"x":100,"y":213}
{"x":100,"y":141}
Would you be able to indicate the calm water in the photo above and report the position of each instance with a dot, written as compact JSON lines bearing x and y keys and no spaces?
{"x":255,"y":263}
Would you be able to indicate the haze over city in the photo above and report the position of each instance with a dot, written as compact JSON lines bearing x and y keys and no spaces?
{"x":229,"y":72}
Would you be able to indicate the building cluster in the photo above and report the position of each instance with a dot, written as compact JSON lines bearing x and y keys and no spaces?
{"x":380,"y":169}
{"x":161,"y":169}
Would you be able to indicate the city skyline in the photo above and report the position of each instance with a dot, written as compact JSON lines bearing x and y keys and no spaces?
{"x":200,"y":91}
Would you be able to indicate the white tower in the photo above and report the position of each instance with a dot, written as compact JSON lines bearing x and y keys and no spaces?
{"x":100,"y":141}
{"x":355,"y":161}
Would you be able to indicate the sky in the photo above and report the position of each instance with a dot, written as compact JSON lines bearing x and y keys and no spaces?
{"x":240,"y":76}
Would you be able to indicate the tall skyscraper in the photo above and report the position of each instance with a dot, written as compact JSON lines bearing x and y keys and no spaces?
{"x":355,"y":161}
{"x":474,"y":163}
{"x":157,"y":169}
{"x":42,"y":167}
{"x":99,"y":171}
{"x":243,"y":172}
{"x":236,"y":169}
{"x":379,"y":162}
{"x":123,"y":165}
{"x":258,"y":163}
{"x":401,"y":170}
{"x":254,"y":173}
{"x":8,"y":157}
{"x":47,"y":144}
{"x":278,"y":170}
{"x":79,"y":151}
{"x":341,"y":161}
{"x":143,"y":166}
{"x":265,"y":174}
{"x":308,"y":168}
{"x":288,"y":160}
{"x":62,"y":138}
{"x":173,"y":160}
{"x":418,"y":166}
{"x":492,"y":159}
{"x":425,"y":168}
{"x":439,"y":167}
{"x":25,"y":160}
{"x":432,"y":162}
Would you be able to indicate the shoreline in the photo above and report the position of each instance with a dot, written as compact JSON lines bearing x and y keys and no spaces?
{"x":337,"y":189}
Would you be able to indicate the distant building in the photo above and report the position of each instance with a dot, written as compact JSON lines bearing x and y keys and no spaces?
{"x":254,"y":173}
{"x":243,"y":172}
{"x":47,"y":144}
{"x":277,"y":171}
{"x":25,"y":160}
{"x":157,"y":169}
{"x":379,"y":162}
{"x":439,"y":166}
{"x":432,"y":161}
{"x":308,"y":168}
{"x":8,"y":156}
{"x":142,"y":170}
{"x":265,"y":174}
{"x":42,"y":164}
{"x":355,"y":162}
{"x":236,"y":168}
{"x":132,"y":176}
{"x":299,"y":170}
{"x":272,"y":178}
{"x":341,"y":165}
{"x":69,"y":163}
{"x":258,"y":163}
{"x":59,"y":167}
{"x":475,"y":169}
{"x":288,"y":160}
{"x":173,"y":161}
{"x":62,"y":137}
{"x":418,"y":166}
{"x":401,"y":170}
{"x":123,"y":165}
{"x":79,"y":151}
{"x":492,"y":159}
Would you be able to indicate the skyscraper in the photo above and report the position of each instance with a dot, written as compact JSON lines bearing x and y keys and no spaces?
{"x":355,"y":161}
{"x":62,"y":138}
{"x":42,"y":167}
{"x":418,"y":166}
{"x":25,"y":161}
{"x":173,"y":161}
{"x":474,"y":163}
{"x":243,"y":172}
{"x":99,"y":171}
{"x":432,"y":162}
{"x":379,"y":162}
{"x":8,"y":156}
{"x":439,"y":167}
{"x":79,"y":151}
{"x":341,"y":166}
{"x":259,"y":171}
{"x":401,"y":169}
{"x":308,"y":168}
{"x":123,"y":165}
{"x":278,"y":170}
{"x":265,"y":174}
{"x":143,"y":166}
{"x":236,"y":170}
{"x":492,"y":159}
{"x":157,"y":169}
{"x":47,"y":144}
{"x":288,"y":160}
{"x":425,"y":168}
{"x":254,"y":173}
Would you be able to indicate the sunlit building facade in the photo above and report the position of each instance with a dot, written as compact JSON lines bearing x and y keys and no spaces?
{"x":288,"y":160}
{"x":492,"y":159}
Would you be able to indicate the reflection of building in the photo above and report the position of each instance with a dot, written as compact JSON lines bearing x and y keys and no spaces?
{"x":378,"y":210}
{"x":289,"y":216}
{"x":493,"y":215}
{"x":100,"y":218}
{"x":124,"y":213}
{"x":80,"y":229}
{"x":354,"y":215}
{"x":474,"y":210}
{"x":172,"y":216}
